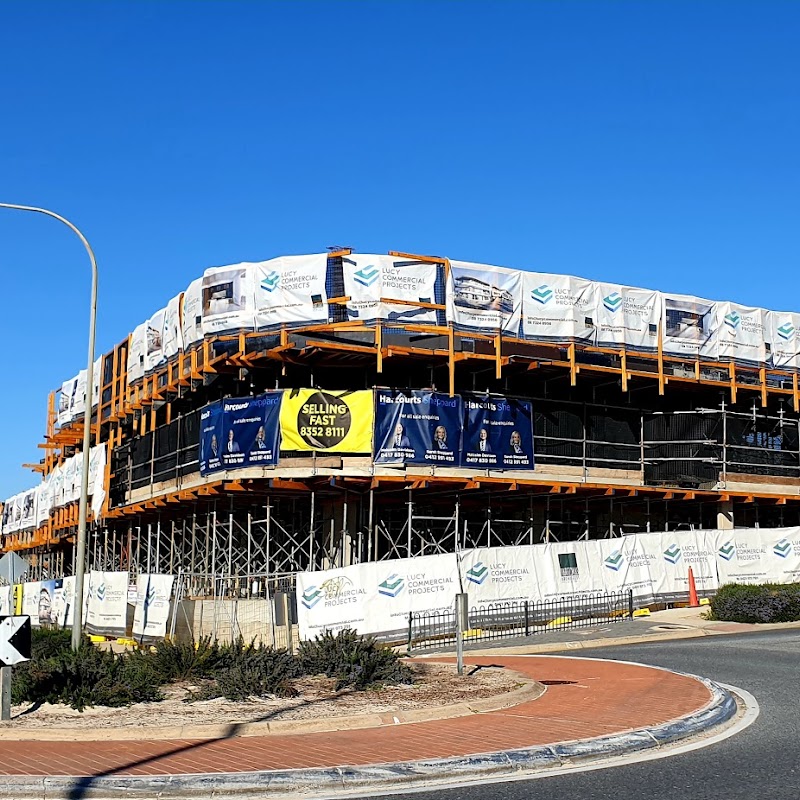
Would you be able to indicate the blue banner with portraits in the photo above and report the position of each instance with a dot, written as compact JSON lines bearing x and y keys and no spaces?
{"x":240,"y":432}
{"x":498,"y":433}
{"x":250,"y":427}
{"x":211,"y":438}
{"x":417,"y":427}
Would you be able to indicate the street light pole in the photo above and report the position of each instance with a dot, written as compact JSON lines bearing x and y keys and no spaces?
{"x":80,"y":556}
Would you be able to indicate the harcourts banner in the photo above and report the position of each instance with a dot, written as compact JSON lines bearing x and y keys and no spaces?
{"x":250,"y":430}
{"x":211,"y":438}
{"x":484,"y":298}
{"x":498,"y":433}
{"x":558,"y":307}
{"x":291,"y":289}
{"x":373,"y":282}
{"x":417,"y":427}
{"x":326,"y":421}
{"x":627,"y":317}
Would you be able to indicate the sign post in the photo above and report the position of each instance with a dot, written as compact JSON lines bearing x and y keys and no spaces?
{"x":15,"y":648}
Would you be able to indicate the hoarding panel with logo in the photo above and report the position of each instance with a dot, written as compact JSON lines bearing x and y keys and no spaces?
{"x":559,"y":308}
{"x":417,"y":427}
{"x":627,"y":317}
{"x":172,"y":337}
{"x":291,"y":289}
{"x":5,"y":601}
{"x":78,"y":405}
{"x":192,"y":313}
{"x":65,"y":401}
{"x":326,"y":420}
{"x":31,"y":591}
{"x":372,"y":282}
{"x":484,"y":298}
{"x":689,"y":325}
{"x":679,"y":550}
{"x":743,"y":557}
{"x":492,"y":574}
{"x":211,"y":438}
{"x":628,"y":565}
{"x":250,"y":430}
{"x":783,"y":546}
{"x":333,"y":600}
{"x":228,"y":298}
{"x":498,"y":433}
{"x":137,"y":353}
{"x":741,"y":335}
{"x":106,"y":613}
{"x":151,"y":613}
{"x":784,"y":338}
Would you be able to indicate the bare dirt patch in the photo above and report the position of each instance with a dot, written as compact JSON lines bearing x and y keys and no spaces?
{"x":435,"y":685}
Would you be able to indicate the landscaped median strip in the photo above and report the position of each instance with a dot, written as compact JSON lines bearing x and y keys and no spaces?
{"x":528,"y":691}
{"x":383,"y":777}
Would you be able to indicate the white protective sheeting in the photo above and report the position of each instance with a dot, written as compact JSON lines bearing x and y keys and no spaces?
{"x":108,"y":603}
{"x":137,"y":353}
{"x":27,"y":517}
{"x":31,"y":593}
{"x":741,"y":335}
{"x":371,"y":281}
{"x":97,"y":377}
{"x":689,"y":325}
{"x":151,"y":614}
{"x":483,"y":297}
{"x":78,"y":406}
{"x":192,"y":313}
{"x":65,"y":402}
{"x":172,"y":337}
{"x":154,"y":341}
{"x":291,"y":289}
{"x":228,"y":298}
{"x":559,"y":307}
{"x":627,"y":317}
{"x":44,"y":500}
{"x":784,"y":338}
{"x":97,"y":476}
{"x":375,"y":597}
{"x":5,"y":601}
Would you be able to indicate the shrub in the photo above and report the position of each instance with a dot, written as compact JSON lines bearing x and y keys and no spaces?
{"x":248,"y":671}
{"x":354,"y":660}
{"x":179,"y":660}
{"x":766,"y":602}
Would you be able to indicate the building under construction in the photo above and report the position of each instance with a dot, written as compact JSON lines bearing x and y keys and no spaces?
{"x":647,"y":412}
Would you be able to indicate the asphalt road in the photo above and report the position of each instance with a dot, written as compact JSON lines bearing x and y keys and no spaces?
{"x":760,"y":763}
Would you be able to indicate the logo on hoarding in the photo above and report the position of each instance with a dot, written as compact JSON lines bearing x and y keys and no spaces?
{"x":271,"y":281}
{"x":101,"y":592}
{"x":311,"y":597}
{"x":392,"y":586}
{"x":614,"y":561}
{"x":786,"y":331}
{"x":542,"y":294}
{"x":727,"y":551}
{"x":672,"y":554}
{"x":366,"y":276}
{"x":613,"y":302}
{"x":478,"y":573}
{"x":733,"y":320}
{"x":151,"y":595}
{"x":782,"y":548}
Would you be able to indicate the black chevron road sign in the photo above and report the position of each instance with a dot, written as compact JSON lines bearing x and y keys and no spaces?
{"x":15,"y":640}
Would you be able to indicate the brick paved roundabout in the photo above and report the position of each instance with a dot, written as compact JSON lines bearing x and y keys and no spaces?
{"x":590,"y":708}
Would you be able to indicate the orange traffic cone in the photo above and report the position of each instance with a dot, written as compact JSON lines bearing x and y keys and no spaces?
{"x":693,"y":601}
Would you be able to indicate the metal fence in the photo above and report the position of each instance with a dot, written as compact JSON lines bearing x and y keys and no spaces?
{"x":504,"y":619}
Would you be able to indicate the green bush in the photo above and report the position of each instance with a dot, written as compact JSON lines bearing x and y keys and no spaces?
{"x":765,"y":602}
{"x":179,"y":660}
{"x":354,"y":660}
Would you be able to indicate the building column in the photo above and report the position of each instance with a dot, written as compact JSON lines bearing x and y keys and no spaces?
{"x":725,"y":515}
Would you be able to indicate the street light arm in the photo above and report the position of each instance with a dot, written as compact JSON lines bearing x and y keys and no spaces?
{"x":80,"y":555}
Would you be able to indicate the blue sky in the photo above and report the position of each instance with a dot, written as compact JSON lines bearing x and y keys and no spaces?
{"x":642,"y":142}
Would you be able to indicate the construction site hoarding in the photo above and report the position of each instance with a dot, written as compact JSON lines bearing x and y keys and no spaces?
{"x":291,"y":290}
{"x":389,"y":289}
{"x":228,"y":299}
{"x":627,"y":317}
{"x":484,"y":298}
{"x":558,"y":308}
